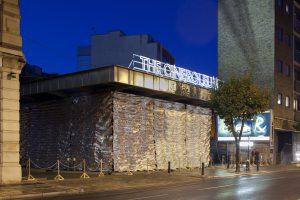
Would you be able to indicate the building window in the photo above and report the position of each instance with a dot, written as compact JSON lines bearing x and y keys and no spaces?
{"x":279,"y":66}
{"x":280,"y":34}
{"x":297,"y":75}
{"x":280,"y":3}
{"x":287,"y":9}
{"x":287,"y":70}
{"x":287,"y":40}
{"x":287,"y":101}
{"x":296,"y":104}
{"x":279,"y":98}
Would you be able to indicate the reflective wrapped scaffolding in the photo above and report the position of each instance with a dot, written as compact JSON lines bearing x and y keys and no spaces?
{"x":133,"y":133}
{"x":151,"y":132}
{"x":169,"y":134}
{"x":69,"y":129}
{"x":198,"y":126}
{"x":129,"y":132}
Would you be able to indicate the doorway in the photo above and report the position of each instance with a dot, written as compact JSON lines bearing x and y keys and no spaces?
{"x":285,"y":148}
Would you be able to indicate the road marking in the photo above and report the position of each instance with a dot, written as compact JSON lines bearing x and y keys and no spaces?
{"x":148,"y":197}
{"x":269,"y":179}
{"x":223,"y":186}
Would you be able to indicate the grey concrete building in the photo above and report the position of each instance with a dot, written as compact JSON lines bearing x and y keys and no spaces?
{"x":117,"y":48}
{"x":264,"y":37}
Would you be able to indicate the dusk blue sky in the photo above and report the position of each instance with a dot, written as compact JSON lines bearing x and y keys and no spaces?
{"x":53,"y":29}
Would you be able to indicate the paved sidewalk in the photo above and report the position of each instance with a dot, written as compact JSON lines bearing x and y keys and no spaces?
{"x":46,"y":186}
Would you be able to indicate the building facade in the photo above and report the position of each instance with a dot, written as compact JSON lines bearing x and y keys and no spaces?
{"x":116,"y":48}
{"x":11,"y":63}
{"x":262,"y":37}
{"x":129,"y":119}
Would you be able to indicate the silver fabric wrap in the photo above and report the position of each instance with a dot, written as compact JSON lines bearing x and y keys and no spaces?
{"x":133,"y":133}
{"x":156,"y":132}
{"x":169,"y":134}
{"x":127,"y":131}
{"x":198,"y":126}
{"x":75,"y":127}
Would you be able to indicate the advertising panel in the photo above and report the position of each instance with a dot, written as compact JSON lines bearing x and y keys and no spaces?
{"x":258,"y":129}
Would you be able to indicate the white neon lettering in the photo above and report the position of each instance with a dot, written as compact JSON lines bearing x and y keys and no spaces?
{"x":167,"y":70}
{"x":159,"y":68}
{"x":143,"y":62}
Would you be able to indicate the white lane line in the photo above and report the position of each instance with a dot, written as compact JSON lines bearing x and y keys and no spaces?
{"x":269,"y":179}
{"x":148,"y":197}
{"x":223,"y":186}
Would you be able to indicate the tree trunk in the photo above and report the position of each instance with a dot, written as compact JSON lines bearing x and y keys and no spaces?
{"x":237,"y":157}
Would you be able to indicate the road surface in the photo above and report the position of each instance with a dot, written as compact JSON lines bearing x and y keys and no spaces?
{"x":280,"y":185}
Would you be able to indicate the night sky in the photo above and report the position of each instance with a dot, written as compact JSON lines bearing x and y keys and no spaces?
{"x":53,"y":29}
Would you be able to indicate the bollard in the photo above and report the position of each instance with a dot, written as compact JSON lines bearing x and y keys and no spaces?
{"x":101,"y":168}
{"x":84,"y":175}
{"x":147,"y":165}
{"x":228,"y":162}
{"x":211,"y":163}
{"x":29,"y":177}
{"x":58,"y":177}
{"x":200,"y":163}
{"x":202,"y":172}
{"x":222,"y":161}
{"x":241,"y":163}
{"x":247,"y":165}
{"x":257,"y":165}
{"x":169,"y":167}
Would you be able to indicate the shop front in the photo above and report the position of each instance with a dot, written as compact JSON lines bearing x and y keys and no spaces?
{"x":255,"y":137}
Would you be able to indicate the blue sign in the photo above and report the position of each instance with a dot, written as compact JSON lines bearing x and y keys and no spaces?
{"x":257,"y":129}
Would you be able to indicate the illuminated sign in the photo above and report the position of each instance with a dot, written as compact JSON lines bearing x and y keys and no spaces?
{"x":257,"y":129}
{"x":166,"y":70}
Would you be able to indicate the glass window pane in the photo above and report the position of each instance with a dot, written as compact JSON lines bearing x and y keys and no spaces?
{"x":279,"y":99}
{"x":287,"y":101}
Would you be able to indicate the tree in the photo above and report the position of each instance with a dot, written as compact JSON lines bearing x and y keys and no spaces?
{"x":239,"y":98}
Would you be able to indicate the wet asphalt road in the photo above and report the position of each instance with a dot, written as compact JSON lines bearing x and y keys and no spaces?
{"x":281,"y":186}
